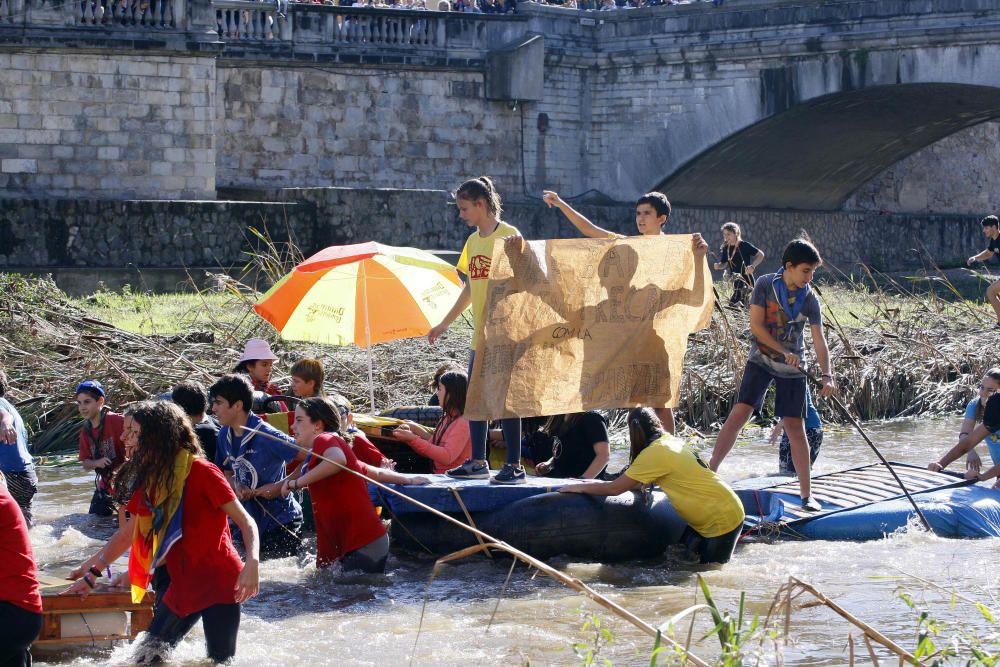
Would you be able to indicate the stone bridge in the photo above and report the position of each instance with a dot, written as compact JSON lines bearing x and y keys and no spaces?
{"x":788,"y":104}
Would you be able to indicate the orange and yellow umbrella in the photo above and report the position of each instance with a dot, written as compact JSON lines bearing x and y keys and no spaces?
{"x":361,"y":294}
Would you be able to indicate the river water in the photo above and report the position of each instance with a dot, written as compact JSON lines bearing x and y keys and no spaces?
{"x":304,"y":616}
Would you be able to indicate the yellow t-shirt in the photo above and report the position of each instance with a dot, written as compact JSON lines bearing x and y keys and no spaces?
{"x":699,"y":495}
{"x":475,"y":261}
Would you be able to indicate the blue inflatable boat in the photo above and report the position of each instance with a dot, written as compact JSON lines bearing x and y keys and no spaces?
{"x":858,"y":504}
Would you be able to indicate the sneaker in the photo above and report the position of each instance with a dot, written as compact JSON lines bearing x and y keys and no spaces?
{"x":470,"y":470}
{"x":997,"y":325}
{"x":509,"y":475}
{"x":810,"y":504}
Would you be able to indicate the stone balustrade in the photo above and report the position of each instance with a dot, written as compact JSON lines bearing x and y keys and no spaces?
{"x":316,"y":27}
{"x":248,"y":21}
{"x":106,"y":15}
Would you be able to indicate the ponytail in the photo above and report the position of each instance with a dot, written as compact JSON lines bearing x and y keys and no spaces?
{"x":481,"y":188}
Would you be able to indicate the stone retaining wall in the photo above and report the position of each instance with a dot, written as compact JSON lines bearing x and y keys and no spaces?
{"x":70,"y":233}
{"x":118,"y":234}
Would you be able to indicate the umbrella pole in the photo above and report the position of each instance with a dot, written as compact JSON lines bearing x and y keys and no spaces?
{"x":368,"y":341}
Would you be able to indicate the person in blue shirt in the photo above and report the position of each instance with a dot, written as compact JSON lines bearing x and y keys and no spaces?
{"x":814,"y":436}
{"x":988,"y":386}
{"x":255,"y":464}
{"x":15,"y":459}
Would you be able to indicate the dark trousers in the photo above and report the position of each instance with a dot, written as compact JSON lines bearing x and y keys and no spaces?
{"x":717,"y":549}
{"x":220,"y":622}
{"x":23,"y":486}
{"x":281,"y":541}
{"x":20,"y":628}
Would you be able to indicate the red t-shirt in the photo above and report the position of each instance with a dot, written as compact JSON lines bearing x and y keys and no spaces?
{"x":105,"y":440}
{"x":345,"y":517}
{"x":366,"y":451}
{"x":18,"y":575}
{"x":203,"y":565}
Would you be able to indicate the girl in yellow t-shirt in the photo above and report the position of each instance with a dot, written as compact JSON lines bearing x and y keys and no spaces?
{"x":713,"y":511}
{"x":479,"y":206}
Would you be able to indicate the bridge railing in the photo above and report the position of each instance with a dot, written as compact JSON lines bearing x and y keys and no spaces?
{"x":243,"y":21}
{"x":249,"y":21}
{"x":113,"y":15}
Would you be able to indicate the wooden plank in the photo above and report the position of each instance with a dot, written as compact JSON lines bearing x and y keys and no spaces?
{"x":83,"y":640}
{"x":868,"y":487}
{"x":849,"y":495}
{"x":886,"y":481}
{"x":100,"y":600}
{"x":916,"y":483}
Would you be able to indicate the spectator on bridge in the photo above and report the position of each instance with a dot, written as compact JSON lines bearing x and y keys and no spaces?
{"x":608,"y":5}
{"x":491,"y":7}
{"x":991,"y":230}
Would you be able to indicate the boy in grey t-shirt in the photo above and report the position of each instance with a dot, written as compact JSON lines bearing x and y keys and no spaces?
{"x":781,"y":305}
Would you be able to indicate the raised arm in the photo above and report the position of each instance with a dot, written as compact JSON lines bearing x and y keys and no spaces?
{"x":585,"y":226}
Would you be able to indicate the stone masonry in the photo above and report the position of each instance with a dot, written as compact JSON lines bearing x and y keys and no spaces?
{"x":121,"y":126}
{"x":380,"y":128}
{"x":959,"y":174}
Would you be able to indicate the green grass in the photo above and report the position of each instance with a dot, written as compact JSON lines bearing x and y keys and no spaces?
{"x":160,"y":313}
{"x":854,"y":304}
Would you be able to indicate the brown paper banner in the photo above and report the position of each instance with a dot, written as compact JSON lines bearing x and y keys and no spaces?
{"x":575,"y":325}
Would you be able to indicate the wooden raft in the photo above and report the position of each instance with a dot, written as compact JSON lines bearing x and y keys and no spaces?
{"x":55,"y":607}
{"x":849,"y":489}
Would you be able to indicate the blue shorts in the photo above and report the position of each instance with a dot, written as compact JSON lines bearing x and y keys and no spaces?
{"x":789,"y":393}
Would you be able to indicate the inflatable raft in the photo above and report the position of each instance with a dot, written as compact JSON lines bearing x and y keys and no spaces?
{"x":858,"y":504}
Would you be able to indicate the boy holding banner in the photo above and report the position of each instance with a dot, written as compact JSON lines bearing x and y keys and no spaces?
{"x":652,"y":211}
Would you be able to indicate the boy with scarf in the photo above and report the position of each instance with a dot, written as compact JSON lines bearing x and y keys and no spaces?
{"x":254,"y":455}
{"x":780,"y":306}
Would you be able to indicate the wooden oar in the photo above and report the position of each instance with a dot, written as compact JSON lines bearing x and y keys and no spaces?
{"x":493,"y":543}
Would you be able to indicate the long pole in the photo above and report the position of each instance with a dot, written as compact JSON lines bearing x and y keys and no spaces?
{"x":857,"y":425}
{"x":499,"y":544}
{"x":368,"y":339}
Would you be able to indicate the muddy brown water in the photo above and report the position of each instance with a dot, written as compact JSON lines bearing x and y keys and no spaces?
{"x":304,"y":616}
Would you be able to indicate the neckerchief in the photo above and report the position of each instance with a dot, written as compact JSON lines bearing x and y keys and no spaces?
{"x":239,"y":448}
{"x":155,"y":533}
{"x":780,"y":289}
{"x":103,"y":476}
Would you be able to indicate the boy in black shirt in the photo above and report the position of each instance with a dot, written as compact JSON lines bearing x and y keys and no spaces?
{"x":741,"y":258}
{"x":991,"y":229}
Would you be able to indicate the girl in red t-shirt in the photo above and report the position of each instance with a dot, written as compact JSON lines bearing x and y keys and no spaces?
{"x":450,"y":443}
{"x":348,"y":528}
{"x":20,"y":603}
{"x":207,"y":578}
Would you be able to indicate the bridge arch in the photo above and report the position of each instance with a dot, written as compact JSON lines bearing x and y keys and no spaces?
{"x":807,"y":135}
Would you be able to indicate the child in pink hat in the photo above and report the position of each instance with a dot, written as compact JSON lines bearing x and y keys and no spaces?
{"x":256,"y":361}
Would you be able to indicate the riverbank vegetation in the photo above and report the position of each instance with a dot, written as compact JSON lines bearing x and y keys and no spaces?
{"x":902,"y":346}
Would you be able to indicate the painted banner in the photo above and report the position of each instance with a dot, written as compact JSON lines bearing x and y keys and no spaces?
{"x":573,"y":325}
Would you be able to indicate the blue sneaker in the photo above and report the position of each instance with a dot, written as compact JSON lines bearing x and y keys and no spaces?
{"x":509,"y":475}
{"x":470,"y":470}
